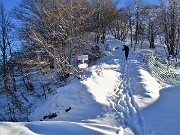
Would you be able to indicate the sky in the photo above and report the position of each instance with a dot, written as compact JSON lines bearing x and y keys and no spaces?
{"x":12,"y":3}
{"x":9,"y":4}
{"x":124,"y":2}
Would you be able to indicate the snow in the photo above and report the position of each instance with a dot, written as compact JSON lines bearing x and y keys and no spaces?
{"x":117,"y":97}
{"x":163,"y":117}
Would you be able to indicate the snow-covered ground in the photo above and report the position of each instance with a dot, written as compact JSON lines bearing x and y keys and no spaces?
{"x":117,"y":97}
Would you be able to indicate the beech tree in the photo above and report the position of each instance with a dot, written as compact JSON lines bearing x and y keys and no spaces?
{"x":7,"y":80}
{"x":170,"y":24}
{"x":51,"y":31}
{"x":152,"y":15}
{"x":104,"y":13}
{"x":5,"y":44}
{"x":120,"y":26}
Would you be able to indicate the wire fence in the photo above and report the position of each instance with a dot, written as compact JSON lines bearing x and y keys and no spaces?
{"x":162,"y":72}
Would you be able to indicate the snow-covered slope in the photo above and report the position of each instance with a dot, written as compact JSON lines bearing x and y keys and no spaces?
{"x":117,"y":97}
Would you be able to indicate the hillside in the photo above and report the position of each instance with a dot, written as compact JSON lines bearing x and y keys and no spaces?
{"x":117,"y":97}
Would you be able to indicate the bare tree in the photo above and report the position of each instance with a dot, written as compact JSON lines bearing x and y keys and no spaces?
{"x":130,"y":16}
{"x":8,"y":82}
{"x":137,"y":20}
{"x":5,"y":47}
{"x":152,"y":15}
{"x":170,"y":22}
{"x":120,"y":26}
{"x":104,"y":13}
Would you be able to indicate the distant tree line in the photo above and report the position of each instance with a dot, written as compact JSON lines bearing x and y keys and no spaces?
{"x":53,"y":32}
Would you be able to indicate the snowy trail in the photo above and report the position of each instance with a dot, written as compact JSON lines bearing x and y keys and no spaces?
{"x":123,"y":103}
{"x":135,"y":119}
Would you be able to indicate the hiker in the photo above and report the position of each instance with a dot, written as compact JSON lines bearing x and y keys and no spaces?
{"x":126,"y":49}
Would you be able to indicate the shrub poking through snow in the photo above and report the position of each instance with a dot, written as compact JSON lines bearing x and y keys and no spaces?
{"x":68,"y":109}
{"x":50,"y":116}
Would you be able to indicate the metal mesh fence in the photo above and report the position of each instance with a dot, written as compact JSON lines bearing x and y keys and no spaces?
{"x":162,"y":72}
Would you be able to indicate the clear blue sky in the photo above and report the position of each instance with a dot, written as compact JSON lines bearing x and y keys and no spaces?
{"x":12,"y":3}
{"x":9,"y":4}
{"x":152,"y":1}
{"x":124,"y":2}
